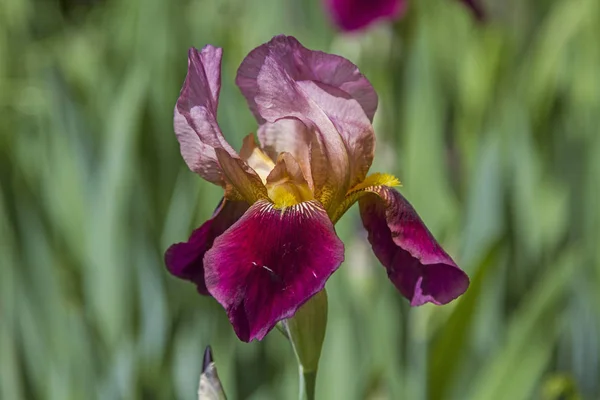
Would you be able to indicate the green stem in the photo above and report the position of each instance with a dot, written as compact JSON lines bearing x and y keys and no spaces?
{"x":307,"y":380}
{"x":306,"y":332}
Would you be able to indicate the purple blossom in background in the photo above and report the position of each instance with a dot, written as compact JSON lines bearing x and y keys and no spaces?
{"x":271,"y":243}
{"x":351,"y":15}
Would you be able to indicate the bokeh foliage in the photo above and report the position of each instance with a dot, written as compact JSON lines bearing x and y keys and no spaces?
{"x":494,"y":130}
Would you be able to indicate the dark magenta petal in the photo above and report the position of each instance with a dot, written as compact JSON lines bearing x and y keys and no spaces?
{"x":184,"y":260}
{"x":350,"y":15}
{"x":415,"y":262}
{"x":269,"y":263}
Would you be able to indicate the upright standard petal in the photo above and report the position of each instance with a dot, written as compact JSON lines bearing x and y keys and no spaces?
{"x":415,"y":262}
{"x":350,"y":15}
{"x":350,"y":122}
{"x":292,"y":136}
{"x":270,"y":262}
{"x":185,"y":260}
{"x":330,"y":100}
{"x":195,"y":119}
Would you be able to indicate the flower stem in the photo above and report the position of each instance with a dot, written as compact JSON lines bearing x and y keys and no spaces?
{"x":306,"y":332}
{"x":307,"y":380}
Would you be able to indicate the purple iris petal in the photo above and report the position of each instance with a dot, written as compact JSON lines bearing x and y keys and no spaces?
{"x":350,"y":15}
{"x":195,"y":120}
{"x":326,"y":102}
{"x":415,"y":262}
{"x":269,"y":263}
{"x":184,"y":260}
{"x":292,"y":136}
{"x":320,"y":95}
{"x":285,"y":54}
{"x":266,"y":79}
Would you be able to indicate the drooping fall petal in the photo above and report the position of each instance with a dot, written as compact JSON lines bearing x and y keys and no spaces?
{"x":350,"y":15}
{"x":185,"y":260}
{"x":270,"y":262}
{"x":195,"y":119}
{"x":415,"y":262}
{"x":323,"y":96}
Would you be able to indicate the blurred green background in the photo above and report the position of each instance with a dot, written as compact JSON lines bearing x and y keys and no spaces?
{"x":493,"y":128}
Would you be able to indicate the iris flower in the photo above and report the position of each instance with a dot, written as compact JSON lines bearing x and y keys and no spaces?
{"x":271,"y":243}
{"x":350,"y":15}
